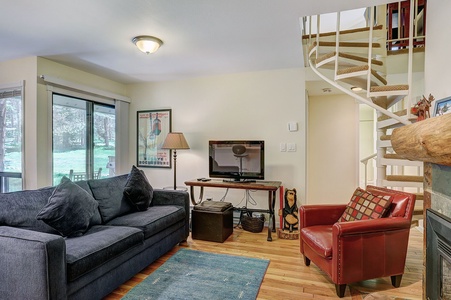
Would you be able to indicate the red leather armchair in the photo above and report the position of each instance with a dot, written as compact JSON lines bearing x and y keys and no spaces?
{"x":357,"y":250}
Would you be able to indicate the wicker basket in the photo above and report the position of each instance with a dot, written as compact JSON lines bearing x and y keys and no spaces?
{"x":253,"y":224}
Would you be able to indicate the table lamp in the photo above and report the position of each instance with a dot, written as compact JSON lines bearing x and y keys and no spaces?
{"x":174,"y":141}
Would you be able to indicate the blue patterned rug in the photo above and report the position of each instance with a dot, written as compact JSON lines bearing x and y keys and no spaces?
{"x":191,"y":274}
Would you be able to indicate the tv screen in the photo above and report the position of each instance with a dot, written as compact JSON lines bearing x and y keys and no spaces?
{"x":237,"y":160}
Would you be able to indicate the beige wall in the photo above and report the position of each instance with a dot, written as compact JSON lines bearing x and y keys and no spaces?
{"x":255,"y":105}
{"x":25,"y":70}
{"x":437,"y":60}
{"x":332,"y":156}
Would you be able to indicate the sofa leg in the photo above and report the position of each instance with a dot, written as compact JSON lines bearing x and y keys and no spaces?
{"x":340,"y":289}
{"x":396,"y":280}
{"x":306,"y":261}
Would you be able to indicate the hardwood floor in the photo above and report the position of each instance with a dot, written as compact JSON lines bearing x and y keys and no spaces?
{"x":288,"y":278}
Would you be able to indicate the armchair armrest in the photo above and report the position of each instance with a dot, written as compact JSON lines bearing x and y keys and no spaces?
{"x":312,"y":215}
{"x":33,"y":264}
{"x":370,"y":226}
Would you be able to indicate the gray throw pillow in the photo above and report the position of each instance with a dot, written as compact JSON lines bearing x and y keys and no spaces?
{"x":138,"y":191}
{"x":109,"y":193}
{"x":69,"y":209}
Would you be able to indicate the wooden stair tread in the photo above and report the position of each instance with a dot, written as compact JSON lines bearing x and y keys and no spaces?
{"x":347,"y":44}
{"x":324,"y":57}
{"x":409,"y":178}
{"x":385,"y":137}
{"x":388,"y":88}
{"x":420,"y":196}
{"x":360,"y":58}
{"x":398,"y":113}
{"x":348,"y":31}
{"x":392,"y":156}
{"x":418,"y":210}
{"x":350,"y":57}
{"x":352,"y":69}
{"x":361,"y":68}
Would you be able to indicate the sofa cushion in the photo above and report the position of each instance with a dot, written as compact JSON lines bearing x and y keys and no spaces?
{"x":153,"y":220}
{"x":319,"y":239}
{"x":364,"y":205}
{"x":138,"y":190}
{"x":97,"y":246}
{"x":69,"y":209}
{"x":19,"y":209}
{"x":109,"y":193}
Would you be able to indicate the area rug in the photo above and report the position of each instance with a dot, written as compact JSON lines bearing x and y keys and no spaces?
{"x":192,"y":274}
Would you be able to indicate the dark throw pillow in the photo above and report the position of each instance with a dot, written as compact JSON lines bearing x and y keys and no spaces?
{"x":69,"y":209}
{"x":364,"y":205}
{"x":138,"y":190}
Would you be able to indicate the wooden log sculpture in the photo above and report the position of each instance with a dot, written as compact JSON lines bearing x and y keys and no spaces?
{"x":427,"y":141}
{"x":290,"y":216}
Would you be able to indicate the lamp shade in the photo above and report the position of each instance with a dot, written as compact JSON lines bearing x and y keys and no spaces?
{"x":147,"y":44}
{"x":175,"y":140}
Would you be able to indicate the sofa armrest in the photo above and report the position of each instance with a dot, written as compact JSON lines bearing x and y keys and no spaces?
{"x":173,"y":197}
{"x":170,"y":197}
{"x":33,"y":264}
{"x":312,"y":215}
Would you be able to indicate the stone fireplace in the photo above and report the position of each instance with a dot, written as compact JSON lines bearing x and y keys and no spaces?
{"x":438,"y":232}
{"x":438,"y":256}
{"x":430,"y":141}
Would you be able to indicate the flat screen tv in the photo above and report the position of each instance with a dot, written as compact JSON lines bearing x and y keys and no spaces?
{"x":237,"y":160}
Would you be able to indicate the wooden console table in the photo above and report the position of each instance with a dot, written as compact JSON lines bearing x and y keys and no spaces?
{"x":270,"y":186}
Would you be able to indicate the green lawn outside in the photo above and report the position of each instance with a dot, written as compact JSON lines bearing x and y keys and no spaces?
{"x":76,"y":158}
{"x":63,"y":162}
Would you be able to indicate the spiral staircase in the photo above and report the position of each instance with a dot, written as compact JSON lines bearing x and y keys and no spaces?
{"x":356,"y":58}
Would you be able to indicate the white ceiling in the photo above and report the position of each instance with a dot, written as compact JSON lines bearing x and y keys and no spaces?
{"x":201,"y":37}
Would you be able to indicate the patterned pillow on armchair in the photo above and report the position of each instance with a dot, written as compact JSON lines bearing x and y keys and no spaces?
{"x":364,"y":206}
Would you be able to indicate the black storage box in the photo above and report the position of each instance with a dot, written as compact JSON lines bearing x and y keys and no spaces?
{"x":212,"y":221}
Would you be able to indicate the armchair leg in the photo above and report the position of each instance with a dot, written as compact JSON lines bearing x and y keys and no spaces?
{"x":340,"y":289}
{"x":396,"y":280}
{"x":306,"y":261}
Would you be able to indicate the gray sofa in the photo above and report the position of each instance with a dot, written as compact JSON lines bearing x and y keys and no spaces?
{"x":41,"y":259}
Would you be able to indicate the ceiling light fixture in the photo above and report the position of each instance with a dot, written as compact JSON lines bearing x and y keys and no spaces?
{"x":356,"y":89}
{"x":147,"y":44}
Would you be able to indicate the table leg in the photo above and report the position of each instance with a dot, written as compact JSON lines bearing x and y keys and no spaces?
{"x":272,"y":220}
{"x":273,"y":201}
{"x":201,"y":195}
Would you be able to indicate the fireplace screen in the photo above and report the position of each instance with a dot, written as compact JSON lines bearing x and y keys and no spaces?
{"x":446,"y":279}
{"x":438,"y":256}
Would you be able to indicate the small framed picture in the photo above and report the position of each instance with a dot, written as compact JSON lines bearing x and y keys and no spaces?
{"x":152,"y":127}
{"x":442,"y":107}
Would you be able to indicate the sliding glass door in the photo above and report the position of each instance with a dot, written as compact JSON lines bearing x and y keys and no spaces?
{"x":83,"y":139}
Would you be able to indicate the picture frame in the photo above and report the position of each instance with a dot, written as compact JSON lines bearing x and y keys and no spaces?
{"x":152,"y":128}
{"x":442,"y":107}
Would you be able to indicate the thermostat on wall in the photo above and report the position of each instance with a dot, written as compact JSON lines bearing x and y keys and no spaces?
{"x":292,"y":126}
